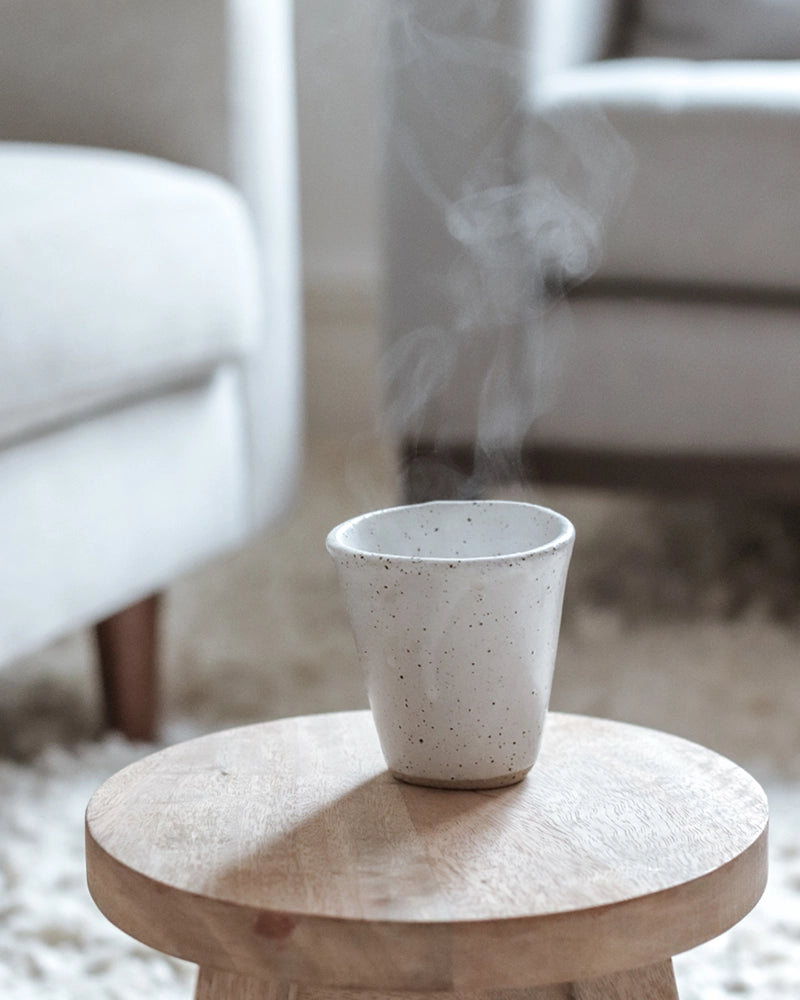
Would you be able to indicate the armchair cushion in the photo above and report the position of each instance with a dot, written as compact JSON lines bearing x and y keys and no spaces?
{"x":119,"y":275}
{"x":713,"y":199}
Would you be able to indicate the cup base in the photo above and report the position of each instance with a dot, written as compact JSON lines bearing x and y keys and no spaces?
{"x":501,"y":781}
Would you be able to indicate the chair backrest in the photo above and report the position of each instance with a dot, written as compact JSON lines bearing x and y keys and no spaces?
{"x":208,"y":83}
{"x":708,"y":29}
{"x":147,"y":76}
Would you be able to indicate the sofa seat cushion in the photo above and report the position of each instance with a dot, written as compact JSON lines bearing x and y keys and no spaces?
{"x":120,"y":276}
{"x":712,"y":197}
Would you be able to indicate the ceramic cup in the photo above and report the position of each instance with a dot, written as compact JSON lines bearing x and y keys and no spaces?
{"x":456,"y":609}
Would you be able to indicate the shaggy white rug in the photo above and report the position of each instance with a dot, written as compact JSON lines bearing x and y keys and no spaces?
{"x":682,"y":617}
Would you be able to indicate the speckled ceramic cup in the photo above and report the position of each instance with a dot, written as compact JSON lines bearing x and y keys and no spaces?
{"x":456,"y":609}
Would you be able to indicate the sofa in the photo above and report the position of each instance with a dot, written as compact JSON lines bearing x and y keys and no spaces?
{"x":591,"y":237}
{"x":150,"y":335}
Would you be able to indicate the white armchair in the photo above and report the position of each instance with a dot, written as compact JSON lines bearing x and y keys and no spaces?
{"x":593,"y":243}
{"x":149,"y":312}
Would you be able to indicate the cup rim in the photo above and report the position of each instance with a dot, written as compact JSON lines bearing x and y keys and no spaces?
{"x":336,"y":545}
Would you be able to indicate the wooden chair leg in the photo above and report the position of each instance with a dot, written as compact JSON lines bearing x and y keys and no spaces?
{"x":126,"y":645}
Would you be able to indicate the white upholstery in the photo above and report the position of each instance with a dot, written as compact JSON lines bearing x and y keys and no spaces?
{"x":636,"y":380}
{"x":99,"y":512}
{"x":121,"y":275}
{"x":150,"y":354}
{"x":660,"y":193}
{"x":564,"y":34}
{"x":713,"y":194}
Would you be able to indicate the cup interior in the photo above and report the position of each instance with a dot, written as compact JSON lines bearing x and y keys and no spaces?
{"x":458,"y":529}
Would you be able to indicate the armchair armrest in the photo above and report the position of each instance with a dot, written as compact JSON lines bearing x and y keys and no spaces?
{"x":712,"y":197}
{"x":206,"y":83}
{"x":567,"y":33}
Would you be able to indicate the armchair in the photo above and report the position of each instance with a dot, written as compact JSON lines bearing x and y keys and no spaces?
{"x":592,"y":244}
{"x":149,"y":315}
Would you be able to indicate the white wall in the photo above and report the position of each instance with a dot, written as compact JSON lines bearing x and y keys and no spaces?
{"x":338,"y":106}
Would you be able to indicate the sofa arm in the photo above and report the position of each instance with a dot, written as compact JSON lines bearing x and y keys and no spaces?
{"x":567,"y":33}
{"x":206,"y":83}
{"x":712,"y":200}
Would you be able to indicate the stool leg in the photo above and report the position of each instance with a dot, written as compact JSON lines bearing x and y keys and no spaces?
{"x":654,"y":982}
{"x":213,"y":984}
{"x":126,"y":644}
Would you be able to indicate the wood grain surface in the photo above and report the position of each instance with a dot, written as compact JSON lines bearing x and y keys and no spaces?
{"x":285,"y":850}
{"x":653,"y":983}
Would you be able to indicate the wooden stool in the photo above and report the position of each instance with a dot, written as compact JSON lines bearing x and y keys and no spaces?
{"x":285,"y":861}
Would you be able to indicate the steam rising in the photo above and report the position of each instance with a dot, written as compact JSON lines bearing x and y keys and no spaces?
{"x":514,"y":195}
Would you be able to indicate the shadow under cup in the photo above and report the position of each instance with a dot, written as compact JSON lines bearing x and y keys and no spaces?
{"x":455,"y":608}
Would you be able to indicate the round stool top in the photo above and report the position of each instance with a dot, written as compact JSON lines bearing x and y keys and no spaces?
{"x":286,"y":850}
